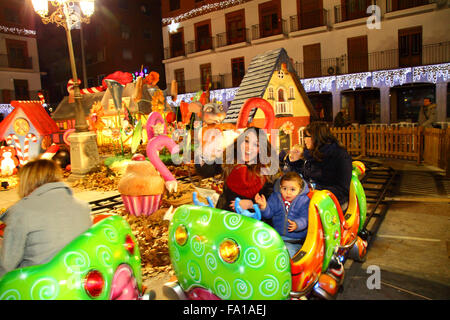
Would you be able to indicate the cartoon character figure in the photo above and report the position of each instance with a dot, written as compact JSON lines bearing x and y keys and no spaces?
{"x":8,"y":161}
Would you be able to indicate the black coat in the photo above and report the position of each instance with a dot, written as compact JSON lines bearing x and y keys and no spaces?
{"x":333,"y":173}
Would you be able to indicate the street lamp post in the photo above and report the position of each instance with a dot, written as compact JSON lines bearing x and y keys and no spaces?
{"x":83,"y":147}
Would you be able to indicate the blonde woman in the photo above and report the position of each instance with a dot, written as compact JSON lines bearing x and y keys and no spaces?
{"x":45,"y":219}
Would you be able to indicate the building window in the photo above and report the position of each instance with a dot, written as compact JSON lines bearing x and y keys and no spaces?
{"x":149,"y":58}
{"x":203,"y":36}
{"x":147,"y":33}
{"x":125,"y":31}
{"x":145,"y":9}
{"x":270,"y":94}
{"x":11,"y":15}
{"x":176,"y":44}
{"x":235,"y":23}
{"x":123,"y":4}
{"x":174,"y":5}
{"x":410,"y":46}
{"x":17,"y":54}
{"x":205,"y":76}
{"x":101,"y":55}
{"x":281,"y":74}
{"x":291,"y":93}
{"x":179,"y":78}
{"x":269,"y":18}
{"x":237,"y":71}
{"x":21,"y":89}
{"x":127,"y":54}
{"x":281,"y":95}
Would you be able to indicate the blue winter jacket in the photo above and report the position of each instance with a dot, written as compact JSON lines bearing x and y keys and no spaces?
{"x":298,"y":212}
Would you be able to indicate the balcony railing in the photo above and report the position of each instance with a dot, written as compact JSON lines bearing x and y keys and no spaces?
{"x":258,"y":32}
{"x":206,"y":43}
{"x":227,"y":38}
{"x":284,"y":108}
{"x":379,"y":60}
{"x":352,"y":9}
{"x":308,"y":20}
{"x":406,"y":4}
{"x":8,"y":62}
{"x":220,"y":81}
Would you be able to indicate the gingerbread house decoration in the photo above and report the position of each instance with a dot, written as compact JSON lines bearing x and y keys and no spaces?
{"x":271,"y":76}
{"x":28,"y":128}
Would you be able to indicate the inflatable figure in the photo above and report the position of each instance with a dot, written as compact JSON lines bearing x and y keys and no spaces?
{"x":8,"y":161}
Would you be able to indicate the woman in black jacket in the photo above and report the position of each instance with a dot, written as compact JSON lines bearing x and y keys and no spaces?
{"x":327,"y":163}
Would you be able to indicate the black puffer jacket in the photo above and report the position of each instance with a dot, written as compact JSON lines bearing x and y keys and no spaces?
{"x":333,"y":173}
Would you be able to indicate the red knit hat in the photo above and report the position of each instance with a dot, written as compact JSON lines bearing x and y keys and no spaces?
{"x":244,"y":182}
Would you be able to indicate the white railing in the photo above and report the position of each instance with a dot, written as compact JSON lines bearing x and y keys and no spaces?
{"x":284,"y":108}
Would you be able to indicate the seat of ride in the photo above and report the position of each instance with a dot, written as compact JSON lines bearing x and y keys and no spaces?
{"x":221,"y":252}
{"x":103,"y":263}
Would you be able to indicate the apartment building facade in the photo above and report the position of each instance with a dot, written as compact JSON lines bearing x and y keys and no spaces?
{"x":122,"y":35}
{"x":20,"y":77}
{"x":378,"y":59}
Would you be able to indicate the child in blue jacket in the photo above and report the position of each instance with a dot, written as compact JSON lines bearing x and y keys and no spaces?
{"x":288,"y":210}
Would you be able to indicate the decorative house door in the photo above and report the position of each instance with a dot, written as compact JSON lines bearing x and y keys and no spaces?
{"x":285,"y":141}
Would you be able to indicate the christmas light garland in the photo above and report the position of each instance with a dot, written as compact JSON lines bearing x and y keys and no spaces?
{"x":203,"y":10}
{"x":19,"y":31}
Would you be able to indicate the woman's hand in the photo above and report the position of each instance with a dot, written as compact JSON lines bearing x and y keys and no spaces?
{"x":261,"y":201}
{"x":244,"y":204}
{"x":292,"y":225}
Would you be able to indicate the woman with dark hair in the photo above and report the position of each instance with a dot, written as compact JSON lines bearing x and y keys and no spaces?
{"x":327,"y":163}
{"x":247,"y":169}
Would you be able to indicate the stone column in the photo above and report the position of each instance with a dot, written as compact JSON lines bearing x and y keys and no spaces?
{"x":385,"y":105}
{"x":84,"y":156}
{"x":441,"y":101}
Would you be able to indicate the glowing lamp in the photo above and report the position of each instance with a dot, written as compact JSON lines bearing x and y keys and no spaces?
{"x":40,"y":6}
{"x":87,"y":7}
{"x":229,"y":251}
{"x":181,"y":235}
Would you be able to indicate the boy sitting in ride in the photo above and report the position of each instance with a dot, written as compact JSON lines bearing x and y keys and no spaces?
{"x":288,"y":210}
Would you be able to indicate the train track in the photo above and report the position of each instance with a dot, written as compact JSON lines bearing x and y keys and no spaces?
{"x":113,"y":202}
{"x":378,"y":183}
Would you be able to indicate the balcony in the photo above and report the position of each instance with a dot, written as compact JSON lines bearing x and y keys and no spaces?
{"x":280,"y":29}
{"x":308,"y":20}
{"x":229,"y":38}
{"x":284,"y":108}
{"x":352,"y":10}
{"x":220,"y":81}
{"x":378,"y":60}
{"x":171,"y":52}
{"x":203,"y":44}
{"x":8,"y":62}
{"x":392,"y":6}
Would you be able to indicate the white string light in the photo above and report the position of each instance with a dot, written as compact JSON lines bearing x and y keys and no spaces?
{"x":353,"y":80}
{"x":19,"y":31}
{"x":390,"y":77}
{"x":202,"y":10}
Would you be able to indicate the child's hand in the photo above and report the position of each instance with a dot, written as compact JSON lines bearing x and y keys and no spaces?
{"x":244,"y":204}
{"x":292,"y":225}
{"x":261,"y":201}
